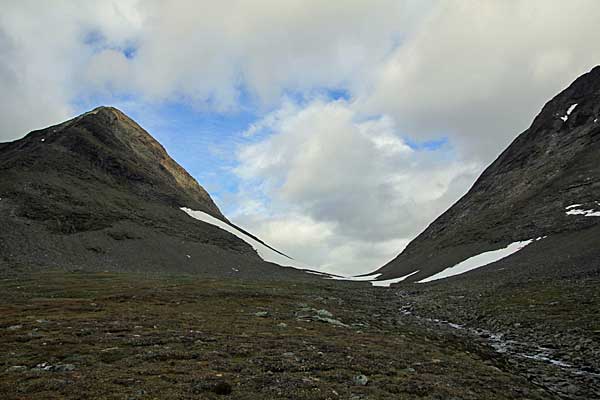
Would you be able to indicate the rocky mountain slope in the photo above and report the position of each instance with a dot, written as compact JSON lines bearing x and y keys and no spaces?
{"x":99,"y":192}
{"x":545,"y":184}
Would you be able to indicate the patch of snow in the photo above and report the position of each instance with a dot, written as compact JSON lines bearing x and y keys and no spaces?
{"x":569,"y":111}
{"x":235,"y":269}
{"x":595,"y":120}
{"x":479,"y":261}
{"x":372,"y":279}
{"x":578,"y":211}
{"x":388,"y":282}
{"x":43,"y":140}
{"x":356,"y":278}
{"x":263,"y":251}
{"x":572,"y":206}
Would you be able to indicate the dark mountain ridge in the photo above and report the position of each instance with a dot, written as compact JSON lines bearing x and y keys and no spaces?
{"x":524,"y":193}
{"x":98,"y":191}
{"x":103,"y":146}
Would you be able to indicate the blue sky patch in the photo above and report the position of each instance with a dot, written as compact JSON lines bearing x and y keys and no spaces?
{"x":97,"y":42}
{"x":428,"y":145}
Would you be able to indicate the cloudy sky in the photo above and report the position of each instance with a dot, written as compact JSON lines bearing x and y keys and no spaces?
{"x":334,"y":130}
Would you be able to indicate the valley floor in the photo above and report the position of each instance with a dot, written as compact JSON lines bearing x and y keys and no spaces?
{"x":128,"y":336}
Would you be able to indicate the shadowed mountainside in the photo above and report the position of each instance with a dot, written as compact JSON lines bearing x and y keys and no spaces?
{"x":99,"y":192}
{"x":524,"y":193}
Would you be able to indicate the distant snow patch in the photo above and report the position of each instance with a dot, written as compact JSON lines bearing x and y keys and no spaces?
{"x":587,"y":213}
{"x":388,"y":282}
{"x":43,"y":140}
{"x":572,"y":210}
{"x":479,"y":260}
{"x":569,"y":111}
{"x":356,"y":278}
{"x":322,"y":274}
{"x":263,"y":251}
{"x":372,"y":279}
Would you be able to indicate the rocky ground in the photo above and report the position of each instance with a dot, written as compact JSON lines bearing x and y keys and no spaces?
{"x":130,"y":336}
{"x":547,"y":332}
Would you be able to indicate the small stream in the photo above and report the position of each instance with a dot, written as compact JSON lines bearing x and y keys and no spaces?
{"x":508,"y":346}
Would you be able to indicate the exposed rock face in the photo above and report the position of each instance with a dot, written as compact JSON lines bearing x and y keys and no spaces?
{"x":524,"y":193}
{"x":99,"y":191}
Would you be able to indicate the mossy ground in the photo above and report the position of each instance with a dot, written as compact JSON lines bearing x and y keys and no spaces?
{"x":129,"y":336}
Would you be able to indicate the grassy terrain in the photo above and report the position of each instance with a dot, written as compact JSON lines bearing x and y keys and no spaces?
{"x":128,"y":336}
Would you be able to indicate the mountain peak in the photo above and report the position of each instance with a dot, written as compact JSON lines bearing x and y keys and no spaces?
{"x":104,"y":148}
{"x":103,"y":109}
{"x":108,"y":112}
{"x":99,"y":192}
{"x":100,"y":111}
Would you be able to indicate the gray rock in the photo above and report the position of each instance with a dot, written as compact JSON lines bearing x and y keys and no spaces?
{"x":63,"y":367}
{"x":43,"y":366}
{"x":262,"y":314}
{"x":54,"y":368}
{"x":360,"y":380}
{"x":14,"y":327}
{"x":324,"y":313}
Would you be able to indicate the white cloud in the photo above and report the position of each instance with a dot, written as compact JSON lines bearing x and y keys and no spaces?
{"x":208,"y":54}
{"x":473,"y":71}
{"x":478,"y":72}
{"x":321,"y":245}
{"x":211,"y":53}
{"x":322,"y":163}
{"x":43,"y":54}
